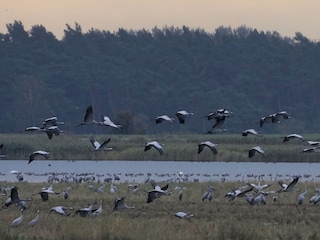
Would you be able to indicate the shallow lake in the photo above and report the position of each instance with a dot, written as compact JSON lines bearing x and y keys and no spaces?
{"x":138,"y":171}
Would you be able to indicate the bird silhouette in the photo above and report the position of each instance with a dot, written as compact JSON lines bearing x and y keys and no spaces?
{"x":87,"y":117}
{"x":208,"y":144}
{"x":119,"y":204}
{"x":255,"y":149}
{"x":162,"y":118}
{"x":290,"y":186}
{"x":154,"y":144}
{"x":155,"y":193}
{"x":292,"y":136}
{"x":249,"y":131}
{"x":14,"y":199}
{"x":34,"y":221}
{"x":97,"y":146}
{"x":183,"y":215}
{"x":61,"y":210}
{"x":107,"y":122}
{"x":35,"y":154}
{"x":182,"y":115}
{"x":16,"y":222}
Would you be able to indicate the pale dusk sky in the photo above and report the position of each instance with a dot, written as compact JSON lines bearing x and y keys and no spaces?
{"x":283,"y":16}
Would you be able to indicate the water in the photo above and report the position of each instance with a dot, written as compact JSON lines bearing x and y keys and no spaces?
{"x":137,"y":171}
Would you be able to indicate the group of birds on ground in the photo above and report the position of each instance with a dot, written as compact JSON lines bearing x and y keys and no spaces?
{"x":89,"y":211}
{"x":253,"y":194}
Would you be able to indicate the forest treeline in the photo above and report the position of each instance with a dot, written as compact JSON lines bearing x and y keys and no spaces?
{"x":133,"y":76}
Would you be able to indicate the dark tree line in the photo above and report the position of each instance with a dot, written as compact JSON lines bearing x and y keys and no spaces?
{"x":134,"y":76}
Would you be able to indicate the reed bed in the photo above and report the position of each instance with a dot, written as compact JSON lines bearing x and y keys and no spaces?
{"x":231,"y":148}
{"x":218,"y":219}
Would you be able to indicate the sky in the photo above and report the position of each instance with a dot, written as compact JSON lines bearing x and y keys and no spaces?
{"x":283,"y":16}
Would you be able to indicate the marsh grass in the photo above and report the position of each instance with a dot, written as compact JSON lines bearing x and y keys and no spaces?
{"x":231,"y":148}
{"x":218,"y":219}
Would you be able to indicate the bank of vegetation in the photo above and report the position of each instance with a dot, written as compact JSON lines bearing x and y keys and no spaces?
{"x":230,"y":148}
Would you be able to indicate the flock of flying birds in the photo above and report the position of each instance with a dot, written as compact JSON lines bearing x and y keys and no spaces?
{"x":51,"y":127}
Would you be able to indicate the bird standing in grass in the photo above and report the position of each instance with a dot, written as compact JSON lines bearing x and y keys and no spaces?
{"x":34,"y":221}
{"x":16,"y":222}
{"x":301,"y":197}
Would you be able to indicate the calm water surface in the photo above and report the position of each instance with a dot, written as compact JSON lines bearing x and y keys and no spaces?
{"x":38,"y":171}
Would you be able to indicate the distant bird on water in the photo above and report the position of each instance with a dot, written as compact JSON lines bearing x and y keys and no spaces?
{"x":38,"y":153}
{"x":182,"y":115}
{"x":87,"y":117}
{"x":208,"y":144}
{"x":154,"y":144}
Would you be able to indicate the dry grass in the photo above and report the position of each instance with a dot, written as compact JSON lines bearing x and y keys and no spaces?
{"x":218,"y":219}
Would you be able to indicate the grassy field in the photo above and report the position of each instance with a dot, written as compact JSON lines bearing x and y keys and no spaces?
{"x":218,"y":219}
{"x":231,"y":148}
